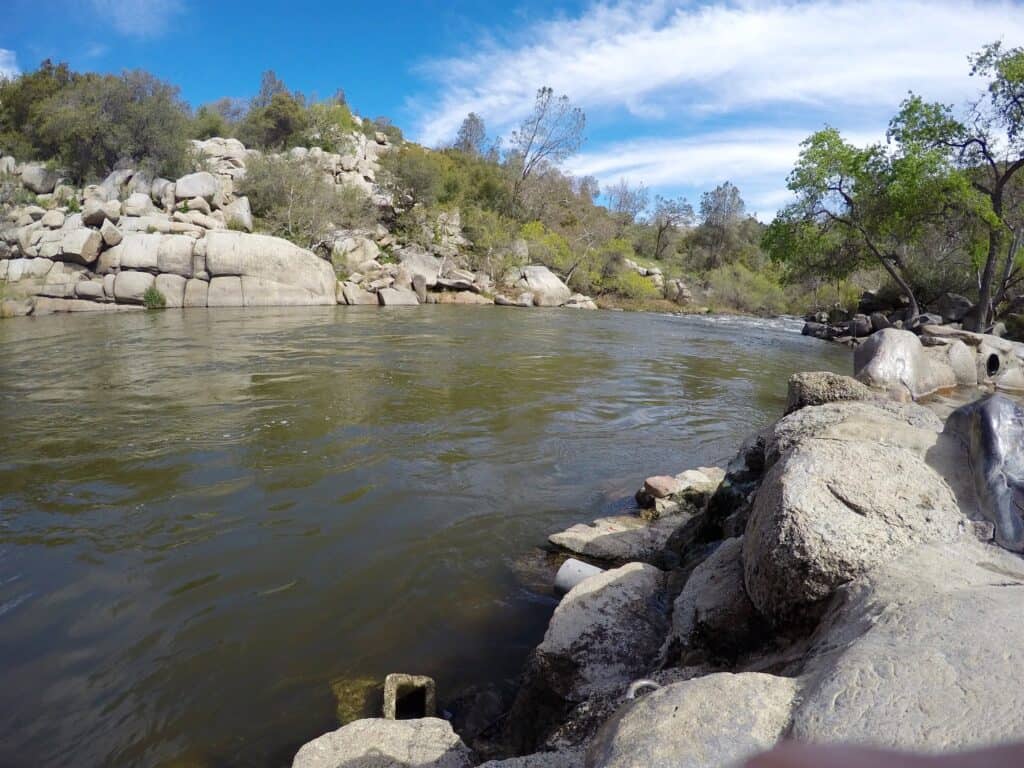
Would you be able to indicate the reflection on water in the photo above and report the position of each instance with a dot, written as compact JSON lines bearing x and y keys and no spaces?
{"x":210,"y":522}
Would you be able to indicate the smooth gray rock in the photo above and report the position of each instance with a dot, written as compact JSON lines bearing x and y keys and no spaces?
{"x":352,"y":294}
{"x":714,"y":721}
{"x":953,"y":307}
{"x":270,"y":259}
{"x":921,"y":654}
{"x":130,"y":287}
{"x":397,"y":297}
{"x":38,"y":178}
{"x":416,"y":261}
{"x":135,"y":251}
{"x":95,"y":211}
{"x":225,"y":292}
{"x":137,"y":204}
{"x":174,"y":254}
{"x":992,"y":430}
{"x":173,"y":289}
{"x":830,"y":510}
{"x":81,"y":246}
{"x":238,"y":214}
{"x":201,"y":184}
{"x":713,"y":611}
{"x":820,"y":387}
{"x":547,"y":289}
{"x":196,"y":292}
{"x":428,"y":742}
{"x":569,"y":758}
{"x":111,"y":234}
{"x":53,"y":219}
{"x":895,"y":361}
{"x":619,"y":538}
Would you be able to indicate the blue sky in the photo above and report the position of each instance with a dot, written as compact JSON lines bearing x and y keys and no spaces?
{"x":678,"y":95}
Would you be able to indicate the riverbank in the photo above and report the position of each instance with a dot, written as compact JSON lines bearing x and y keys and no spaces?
{"x":849,"y":578}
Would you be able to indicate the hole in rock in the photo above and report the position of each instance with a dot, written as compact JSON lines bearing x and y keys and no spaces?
{"x":411,"y":703}
{"x":992,"y":365}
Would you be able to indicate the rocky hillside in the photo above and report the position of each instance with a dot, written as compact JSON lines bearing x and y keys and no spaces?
{"x":853,"y":575}
{"x":134,"y":241}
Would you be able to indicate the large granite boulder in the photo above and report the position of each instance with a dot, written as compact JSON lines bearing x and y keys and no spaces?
{"x":830,"y":510}
{"x":427,"y":742}
{"x":713,"y":612}
{"x":201,"y":184}
{"x":895,"y":361}
{"x":81,"y":246}
{"x":39,"y":179}
{"x":130,"y":287}
{"x":225,"y":292}
{"x":416,"y":261}
{"x":618,"y":538}
{"x":275,"y":264}
{"x":921,"y":654}
{"x":547,"y":289}
{"x":397,"y":297}
{"x":992,"y":431}
{"x":238,"y":214}
{"x":607,"y":631}
{"x":820,"y":387}
{"x":715,"y":721}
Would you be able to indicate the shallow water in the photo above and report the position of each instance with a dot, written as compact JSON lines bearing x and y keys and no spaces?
{"x":213,"y":521}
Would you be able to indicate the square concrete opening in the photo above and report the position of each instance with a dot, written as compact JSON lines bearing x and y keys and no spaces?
{"x":408,"y":697}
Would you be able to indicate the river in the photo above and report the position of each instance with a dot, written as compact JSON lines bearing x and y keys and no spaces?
{"x":219,"y":529}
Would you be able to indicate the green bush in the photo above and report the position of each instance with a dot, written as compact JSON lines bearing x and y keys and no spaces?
{"x":330,"y":126}
{"x":632,"y":285}
{"x":281,"y":124}
{"x":292,"y":199}
{"x":153,"y":299}
{"x":74,"y":206}
{"x":738,"y":288}
{"x":98,"y":121}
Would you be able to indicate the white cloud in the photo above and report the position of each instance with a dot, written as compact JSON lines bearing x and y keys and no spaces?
{"x":680,"y":67}
{"x":757,"y":160}
{"x":139,"y":18}
{"x":8,"y":64}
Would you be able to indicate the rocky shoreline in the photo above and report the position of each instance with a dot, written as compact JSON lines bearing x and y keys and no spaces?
{"x":853,"y":575}
{"x":120,"y":244}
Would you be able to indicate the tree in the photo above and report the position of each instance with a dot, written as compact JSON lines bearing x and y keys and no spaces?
{"x":669,"y":215}
{"x":626,"y":201}
{"x":98,"y":121}
{"x":721,"y":211}
{"x":275,"y":126}
{"x":293,"y":200}
{"x":857,"y":206}
{"x":20,"y":98}
{"x":472,"y":135}
{"x":552,"y":132}
{"x":270,"y":86}
{"x":989,"y":147}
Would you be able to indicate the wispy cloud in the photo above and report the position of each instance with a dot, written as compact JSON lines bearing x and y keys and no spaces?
{"x":673,"y":68}
{"x":139,"y":18}
{"x":8,"y":63}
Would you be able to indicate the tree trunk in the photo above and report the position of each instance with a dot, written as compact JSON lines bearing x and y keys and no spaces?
{"x":915,"y":308}
{"x":979,"y":319}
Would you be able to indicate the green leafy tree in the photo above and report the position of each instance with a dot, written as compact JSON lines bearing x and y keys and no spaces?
{"x":721,"y":212}
{"x":278,"y":125}
{"x":670,"y":215}
{"x":98,"y":121}
{"x":20,"y":100}
{"x":472,"y":136}
{"x":860,"y":206}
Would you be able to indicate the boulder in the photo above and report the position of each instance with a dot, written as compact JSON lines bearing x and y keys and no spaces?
{"x":81,"y":246}
{"x":579,"y":301}
{"x":95,"y":211}
{"x":174,"y":255}
{"x":352,"y":294}
{"x":89,"y":289}
{"x":713,"y":611}
{"x":261,"y":292}
{"x":921,"y":654}
{"x":820,"y":387}
{"x":879,"y":321}
{"x":111,"y":234}
{"x":830,"y":510}
{"x":137,"y":204}
{"x":115,"y":182}
{"x":618,"y":539}
{"x":225,"y":292}
{"x":992,"y":432}
{"x":38,"y":178}
{"x":676,"y":290}
{"x":895,"y":361}
{"x":173,"y":289}
{"x":462,"y":297}
{"x":135,"y":251}
{"x":416,"y":261}
{"x":270,"y":259}
{"x":606,"y":632}
{"x":953,"y":307}
{"x":354,"y":254}
{"x":427,"y":742}
{"x":53,"y":219}
{"x":394,"y":297}
{"x":131,"y":286}
{"x":715,"y":721}
{"x":565,"y":758}
{"x":201,"y":184}
{"x":196,"y":293}
{"x":7,"y":165}
{"x":547,"y":289}
{"x":238,"y":214}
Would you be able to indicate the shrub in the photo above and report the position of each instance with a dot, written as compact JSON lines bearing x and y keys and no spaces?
{"x":97,"y":121}
{"x":632,"y":285}
{"x":330,"y":126}
{"x":736,"y":287}
{"x":153,"y":299}
{"x":294,"y":200}
{"x":278,"y":125}
{"x":74,"y":206}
